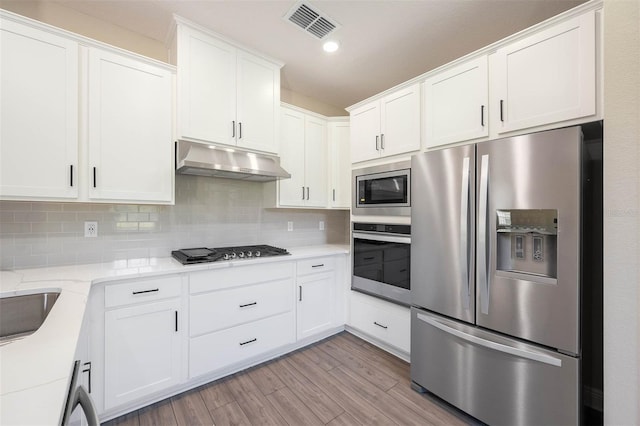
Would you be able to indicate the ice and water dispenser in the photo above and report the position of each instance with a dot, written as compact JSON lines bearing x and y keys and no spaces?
{"x":527,"y":242}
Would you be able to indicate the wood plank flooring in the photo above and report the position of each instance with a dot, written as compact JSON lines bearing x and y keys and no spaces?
{"x":339,"y":381}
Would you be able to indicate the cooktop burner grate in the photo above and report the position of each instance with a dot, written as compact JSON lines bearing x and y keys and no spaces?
{"x":204,"y":255}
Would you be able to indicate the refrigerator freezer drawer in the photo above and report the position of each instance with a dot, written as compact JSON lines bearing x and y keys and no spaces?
{"x":495,"y":379}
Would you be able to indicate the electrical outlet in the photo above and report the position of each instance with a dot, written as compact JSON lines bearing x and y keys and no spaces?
{"x":322,"y":225}
{"x":289,"y":226}
{"x":91,"y":229}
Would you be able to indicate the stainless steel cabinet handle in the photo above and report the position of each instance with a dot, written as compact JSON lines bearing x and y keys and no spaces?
{"x":146,"y":291}
{"x":382,"y":140}
{"x":249,"y":304}
{"x":502,"y":110}
{"x":380,"y":325}
{"x":303,"y":192}
{"x":239,"y":130}
{"x":523,"y":353}
{"x":248,"y":341}
{"x":464,"y":231}
{"x":334,"y":195}
{"x":483,"y":251}
{"x":482,"y":115}
{"x":233,"y":129}
{"x":307,"y":192}
{"x":377,"y":143}
{"x":300,"y":293}
{"x":71,"y":175}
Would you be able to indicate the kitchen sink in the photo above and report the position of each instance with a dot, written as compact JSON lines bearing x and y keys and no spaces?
{"x":22,"y":315}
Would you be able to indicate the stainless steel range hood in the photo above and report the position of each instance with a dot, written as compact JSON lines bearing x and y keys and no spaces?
{"x":216,"y":161}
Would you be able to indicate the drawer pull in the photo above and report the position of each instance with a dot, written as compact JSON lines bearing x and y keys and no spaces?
{"x":146,"y":291}
{"x":318,"y":266}
{"x":248,"y":304}
{"x":380,"y":325}
{"x":248,"y":341}
{"x":368,"y":258}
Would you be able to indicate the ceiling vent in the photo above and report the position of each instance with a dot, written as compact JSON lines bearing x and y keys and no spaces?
{"x":311,"y":20}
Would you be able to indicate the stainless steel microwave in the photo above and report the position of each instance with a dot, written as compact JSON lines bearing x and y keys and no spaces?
{"x":382,"y":190}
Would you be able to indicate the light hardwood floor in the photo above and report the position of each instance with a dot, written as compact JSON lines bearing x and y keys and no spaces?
{"x":342,"y":380}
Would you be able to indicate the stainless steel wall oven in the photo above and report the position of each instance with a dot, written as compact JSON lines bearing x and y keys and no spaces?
{"x":382,"y":261}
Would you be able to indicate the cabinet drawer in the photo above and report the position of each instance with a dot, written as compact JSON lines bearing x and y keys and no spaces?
{"x":318,"y":264}
{"x":142,"y":291}
{"x":220,"y":279}
{"x":218,"y":350}
{"x":226,"y":308}
{"x":383,"y":320}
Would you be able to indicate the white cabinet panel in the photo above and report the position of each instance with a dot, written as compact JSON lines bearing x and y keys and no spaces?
{"x":457,"y":104}
{"x":546,"y":78}
{"x":386,"y":127}
{"x":226,"y":95}
{"x":339,"y":165}
{"x":207,"y":88}
{"x":38,"y":112}
{"x":214,"y":351}
{"x":226,"y":308}
{"x":142,"y":350}
{"x":385,"y":321}
{"x":130,"y":136}
{"x":304,"y":156}
{"x":316,"y":303}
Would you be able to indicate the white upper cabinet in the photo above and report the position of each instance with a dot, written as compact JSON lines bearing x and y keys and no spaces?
{"x":226,"y":95}
{"x":304,"y":156}
{"x":339,"y":165}
{"x":38,"y":113}
{"x":456,"y":104}
{"x":547,"y":77}
{"x":130,"y":131}
{"x":387,"y":126}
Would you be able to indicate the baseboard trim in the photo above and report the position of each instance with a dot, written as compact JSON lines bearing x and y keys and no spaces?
{"x":405,"y":356}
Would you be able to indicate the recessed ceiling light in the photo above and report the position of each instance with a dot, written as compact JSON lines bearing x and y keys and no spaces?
{"x":331,"y":46}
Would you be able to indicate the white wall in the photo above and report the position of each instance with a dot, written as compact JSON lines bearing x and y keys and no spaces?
{"x":208,"y":213}
{"x":622,"y":212}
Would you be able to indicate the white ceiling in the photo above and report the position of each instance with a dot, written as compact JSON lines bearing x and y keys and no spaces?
{"x":384,"y":42}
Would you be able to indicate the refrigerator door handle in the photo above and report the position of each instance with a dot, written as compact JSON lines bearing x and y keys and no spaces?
{"x":464,"y":233}
{"x":522,"y":353}
{"x":484,"y":252}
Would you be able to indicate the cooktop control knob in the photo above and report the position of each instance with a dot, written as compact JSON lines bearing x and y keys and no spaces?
{"x":225,"y":256}
{"x":241,"y":254}
{"x":257,"y":253}
{"x":249,"y":253}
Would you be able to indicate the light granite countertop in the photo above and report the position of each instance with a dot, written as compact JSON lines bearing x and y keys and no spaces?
{"x":35,"y":371}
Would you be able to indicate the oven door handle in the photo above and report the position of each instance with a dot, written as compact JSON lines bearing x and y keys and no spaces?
{"x":383,"y":238}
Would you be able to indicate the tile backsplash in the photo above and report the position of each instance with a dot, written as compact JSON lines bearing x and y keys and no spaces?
{"x":207,"y":213}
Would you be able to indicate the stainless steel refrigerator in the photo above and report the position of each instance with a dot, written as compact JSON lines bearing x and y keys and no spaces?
{"x":496,"y":277}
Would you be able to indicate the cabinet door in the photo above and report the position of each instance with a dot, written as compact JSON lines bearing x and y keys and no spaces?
{"x":38,"y":112}
{"x":292,"y":191}
{"x":456,"y":104}
{"x":548,"y":77}
{"x":142,"y":350}
{"x":206,"y":88}
{"x":339,"y":166}
{"x":258,"y":103}
{"x":315,"y":162}
{"x":316,"y":303}
{"x":130,"y":145}
{"x":365,"y":132}
{"x":400,"y":112}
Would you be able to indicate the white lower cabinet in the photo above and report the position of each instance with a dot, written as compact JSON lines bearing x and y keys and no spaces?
{"x":215,"y":351}
{"x":387,"y":322}
{"x":316,"y":280}
{"x":142,"y":350}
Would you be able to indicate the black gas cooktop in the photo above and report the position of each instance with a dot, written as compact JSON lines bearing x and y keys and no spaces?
{"x":205,"y":255}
